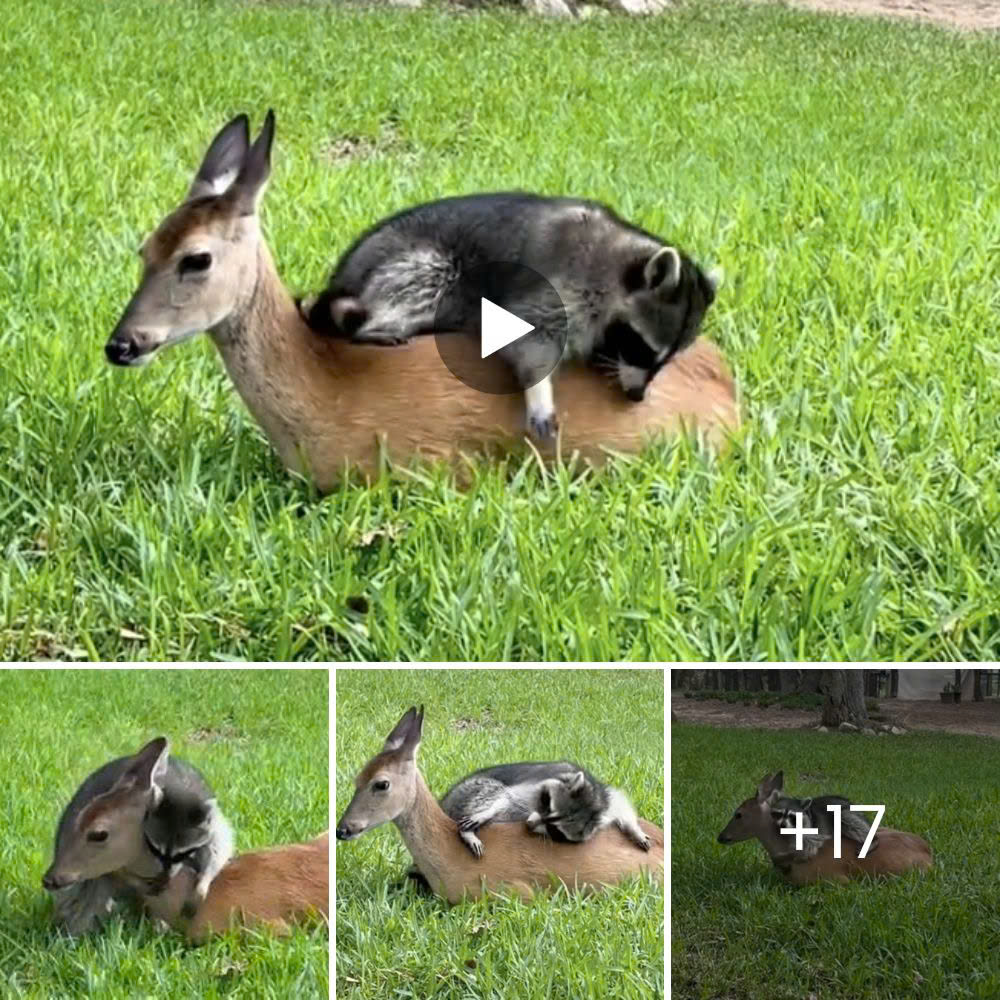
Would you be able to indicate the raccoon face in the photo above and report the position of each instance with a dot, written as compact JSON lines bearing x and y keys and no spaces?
{"x":174,"y":831}
{"x":568,"y":809}
{"x":666,"y":298}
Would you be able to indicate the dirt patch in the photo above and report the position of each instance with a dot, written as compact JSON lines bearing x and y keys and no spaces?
{"x":978,"y":718}
{"x":346,"y":148}
{"x":226,"y":730}
{"x":966,"y":15}
{"x":485,"y":721}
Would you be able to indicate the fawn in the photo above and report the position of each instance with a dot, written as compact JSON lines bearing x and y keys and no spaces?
{"x":896,"y":852}
{"x":391,"y":787}
{"x":328,"y":405}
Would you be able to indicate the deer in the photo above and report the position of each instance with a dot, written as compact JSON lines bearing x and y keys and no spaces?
{"x":897,"y":851}
{"x":390,"y":787}
{"x":332,"y":409}
{"x":270,"y":888}
{"x":104,"y":854}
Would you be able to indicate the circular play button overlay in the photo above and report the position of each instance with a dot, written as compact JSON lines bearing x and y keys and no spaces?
{"x":501,"y":328}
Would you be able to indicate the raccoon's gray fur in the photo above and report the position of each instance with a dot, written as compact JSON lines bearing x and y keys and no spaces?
{"x":557,"y":798}
{"x":853,"y":825}
{"x":188,"y":828}
{"x":631,"y":302}
{"x":207,"y":842}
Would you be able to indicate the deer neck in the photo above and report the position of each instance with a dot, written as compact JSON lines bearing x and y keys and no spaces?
{"x":265,"y":347}
{"x":780,"y":849}
{"x":426,"y":830}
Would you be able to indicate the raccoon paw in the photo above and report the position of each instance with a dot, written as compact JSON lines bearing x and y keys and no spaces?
{"x":543,"y":425}
{"x":473,"y":843}
{"x":644,"y":842}
{"x":469,"y":823}
{"x":381,"y":337}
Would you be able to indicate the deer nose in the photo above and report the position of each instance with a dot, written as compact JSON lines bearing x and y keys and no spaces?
{"x":53,"y":882}
{"x":345,"y":831}
{"x":120,"y":350}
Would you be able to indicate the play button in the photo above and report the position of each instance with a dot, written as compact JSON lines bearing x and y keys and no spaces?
{"x":501,"y":327}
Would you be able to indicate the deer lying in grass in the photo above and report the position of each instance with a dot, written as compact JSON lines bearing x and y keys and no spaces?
{"x":390,"y":787}
{"x":896,"y":852}
{"x":326,"y":404}
{"x":272,"y":887}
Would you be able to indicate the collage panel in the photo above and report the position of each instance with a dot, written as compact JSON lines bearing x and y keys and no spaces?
{"x":520,"y":853}
{"x":167,"y":833}
{"x":834,"y":833}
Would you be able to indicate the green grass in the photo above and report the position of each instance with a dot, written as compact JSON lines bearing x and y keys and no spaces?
{"x":259,"y":737}
{"x":739,"y":933}
{"x":843,"y":172}
{"x":392,"y":941}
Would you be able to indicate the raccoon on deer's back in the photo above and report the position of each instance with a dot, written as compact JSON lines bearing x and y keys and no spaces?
{"x":630,"y":302}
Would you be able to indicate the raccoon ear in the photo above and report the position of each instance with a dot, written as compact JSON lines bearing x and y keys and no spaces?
{"x":577,"y":782}
{"x":348,"y":314}
{"x":716,"y":279}
{"x":663,"y":269}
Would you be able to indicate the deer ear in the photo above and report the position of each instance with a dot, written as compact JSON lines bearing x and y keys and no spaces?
{"x":148,"y":768}
{"x":223,"y":159}
{"x":256,"y":169}
{"x":405,"y":737}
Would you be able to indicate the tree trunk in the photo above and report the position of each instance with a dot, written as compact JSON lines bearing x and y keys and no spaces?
{"x":977,"y":685}
{"x":844,"y":697}
{"x":752,"y":680}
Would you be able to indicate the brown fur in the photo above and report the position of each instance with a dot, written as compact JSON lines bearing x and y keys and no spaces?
{"x":272,"y":887}
{"x":516,"y":859}
{"x":896,"y":853}
{"x":326,"y":403}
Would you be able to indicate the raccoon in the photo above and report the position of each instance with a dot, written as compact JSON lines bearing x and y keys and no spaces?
{"x":630,"y":301}
{"x":187,"y":828}
{"x":853,"y":825}
{"x":559,"y":799}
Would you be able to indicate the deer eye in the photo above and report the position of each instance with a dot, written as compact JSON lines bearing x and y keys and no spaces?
{"x":194,"y":263}
{"x":380,"y":786}
{"x":97,"y":836}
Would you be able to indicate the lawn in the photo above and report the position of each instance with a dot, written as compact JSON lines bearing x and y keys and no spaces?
{"x":392,"y":941}
{"x":739,"y":933}
{"x":844,"y":173}
{"x":259,"y":737}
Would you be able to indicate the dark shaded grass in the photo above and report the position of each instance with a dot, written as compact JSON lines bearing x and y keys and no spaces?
{"x":738,"y":932}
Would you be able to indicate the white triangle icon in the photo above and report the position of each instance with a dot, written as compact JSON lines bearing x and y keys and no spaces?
{"x":499,"y":328}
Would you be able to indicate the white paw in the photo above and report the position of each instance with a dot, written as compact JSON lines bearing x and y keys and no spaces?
{"x":543,"y":424}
